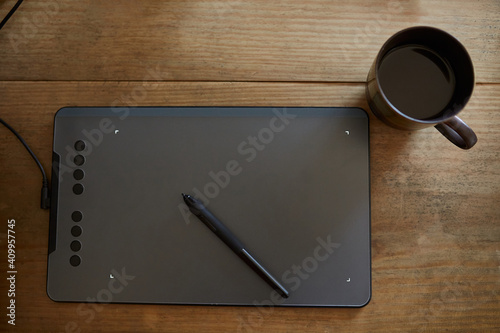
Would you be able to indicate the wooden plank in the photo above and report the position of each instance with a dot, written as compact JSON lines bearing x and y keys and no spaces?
{"x":435,"y":216}
{"x":256,"y":40}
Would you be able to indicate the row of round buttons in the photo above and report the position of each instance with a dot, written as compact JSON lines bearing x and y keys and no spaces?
{"x":79,"y":160}
{"x":76,"y":245}
{"x":77,"y":216}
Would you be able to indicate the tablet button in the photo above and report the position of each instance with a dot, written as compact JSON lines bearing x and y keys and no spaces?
{"x":75,"y":246}
{"x":80,"y":145}
{"x":76,"y":216}
{"x":78,"y":189}
{"x":76,"y":231}
{"x":75,"y":260}
{"x":79,"y":160}
{"x":78,"y":174}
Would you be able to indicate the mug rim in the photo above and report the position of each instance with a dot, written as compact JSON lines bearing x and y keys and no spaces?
{"x":384,"y":51}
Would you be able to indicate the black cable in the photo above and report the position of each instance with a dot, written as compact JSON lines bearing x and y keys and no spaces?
{"x":45,"y":200}
{"x":27,"y":147}
{"x":18,"y":3}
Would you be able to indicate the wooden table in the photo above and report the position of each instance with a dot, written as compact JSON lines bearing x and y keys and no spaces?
{"x":435,"y":208}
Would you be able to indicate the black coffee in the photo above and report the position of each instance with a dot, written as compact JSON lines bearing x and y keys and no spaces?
{"x":417,"y":81}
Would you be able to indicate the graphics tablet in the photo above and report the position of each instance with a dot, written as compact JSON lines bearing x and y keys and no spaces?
{"x":292,"y":184}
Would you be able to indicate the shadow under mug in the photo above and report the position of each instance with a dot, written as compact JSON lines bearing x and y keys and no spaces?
{"x":421,"y":77}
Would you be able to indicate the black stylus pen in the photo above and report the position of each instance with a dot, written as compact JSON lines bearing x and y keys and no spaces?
{"x":198,"y":209}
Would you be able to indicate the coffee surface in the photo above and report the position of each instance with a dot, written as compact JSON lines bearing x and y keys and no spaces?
{"x":417,"y":81}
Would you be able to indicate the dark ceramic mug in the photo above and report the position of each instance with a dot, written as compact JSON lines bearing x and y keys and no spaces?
{"x":423,"y":77}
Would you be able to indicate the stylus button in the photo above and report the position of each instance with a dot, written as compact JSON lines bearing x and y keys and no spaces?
{"x":75,"y":246}
{"x":76,"y":231}
{"x":79,"y":160}
{"x":78,"y":174}
{"x":77,"y":216}
{"x":78,"y":189}
{"x":75,"y":260}
{"x":80,"y":145}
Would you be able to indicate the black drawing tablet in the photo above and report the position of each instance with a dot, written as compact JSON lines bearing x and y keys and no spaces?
{"x":291,"y":183}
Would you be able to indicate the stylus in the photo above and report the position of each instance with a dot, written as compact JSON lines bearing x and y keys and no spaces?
{"x":214,"y":224}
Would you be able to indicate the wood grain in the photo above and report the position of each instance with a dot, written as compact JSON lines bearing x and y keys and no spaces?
{"x":257,"y":40}
{"x":435,"y":216}
{"x":435,"y":208}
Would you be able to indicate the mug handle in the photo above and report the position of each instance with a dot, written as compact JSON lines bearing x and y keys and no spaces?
{"x":458,"y":132}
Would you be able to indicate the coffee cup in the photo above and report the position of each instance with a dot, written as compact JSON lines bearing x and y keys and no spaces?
{"x":421,"y":77}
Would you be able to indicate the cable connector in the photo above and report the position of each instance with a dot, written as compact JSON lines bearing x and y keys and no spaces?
{"x":45,"y":198}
